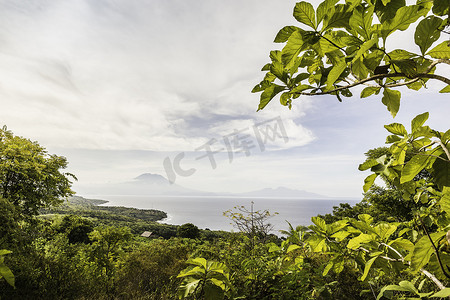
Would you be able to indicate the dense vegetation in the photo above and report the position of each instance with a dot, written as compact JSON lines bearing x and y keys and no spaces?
{"x":393,"y":245}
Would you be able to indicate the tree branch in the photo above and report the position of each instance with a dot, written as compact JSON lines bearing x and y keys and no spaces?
{"x":444,"y":148}
{"x":389,"y":75}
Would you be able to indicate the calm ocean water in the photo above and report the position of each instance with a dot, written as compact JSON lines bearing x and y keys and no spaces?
{"x":207,"y":212}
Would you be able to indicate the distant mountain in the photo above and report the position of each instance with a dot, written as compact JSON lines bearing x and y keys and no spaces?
{"x":149,"y":184}
{"x":282,"y":192}
{"x":143,"y":185}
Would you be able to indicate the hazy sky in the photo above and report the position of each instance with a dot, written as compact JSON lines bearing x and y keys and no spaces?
{"x":121,"y":86}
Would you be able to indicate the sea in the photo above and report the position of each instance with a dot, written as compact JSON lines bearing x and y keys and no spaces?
{"x":207,"y":212}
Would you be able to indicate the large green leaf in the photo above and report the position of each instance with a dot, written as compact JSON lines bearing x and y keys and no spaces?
{"x":406,"y":66}
{"x":335,"y":72}
{"x":368,"y":164}
{"x":268,"y":95}
{"x":325,"y":8}
{"x":364,"y":48}
{"x":445,"y":90}
{"x":304,"y":13}
{"x":418,"y":121}
{"x":440,"y":51}
{"x":370,"y":90}
{"x":441,"y":172}
{"x":416,"y":164}
{"x":442,"y":293}
{"x":7,"y":274}
{"x":359,"y":69}
{"x":361,"y":21}
{"x":427,"y":32}
{"x":391,"y":98}
{"x":440,"y":7}
{"x":319,"y":222}
{"x":396,"y":128}
{"x":367,"y":267}
{"x":188,"y":287}
{"x":292,"y":48}
{"x":285,"y":33}
{"x":368,"y":182}
{"x":423,"y":250}
{"x":445,"y":201}
{"x":403,"y":18}
{"x":400,"y":54}
{"x":356,"y":242}
{"x":339,"y":19}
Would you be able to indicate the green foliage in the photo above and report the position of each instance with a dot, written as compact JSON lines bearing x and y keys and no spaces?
{"x":204,"y":280}
{"x":340,"y":46}
{"x":30,"y":178}
{"x":5,"y":272}
{"x":188,"y":230}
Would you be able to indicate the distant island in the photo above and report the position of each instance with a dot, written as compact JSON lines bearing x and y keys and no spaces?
{"x":150,"y":184}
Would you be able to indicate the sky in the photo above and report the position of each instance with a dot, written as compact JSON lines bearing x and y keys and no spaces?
{"x":125,"y":87}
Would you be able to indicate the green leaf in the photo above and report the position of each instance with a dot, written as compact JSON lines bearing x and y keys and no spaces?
{"x":6,"y":273}
{"x":400,"y":54}
{"x":339,"y":19}
{"x":423,"y":250}
{"x":396,"y":128}
{"x":367,"y":267}
{"x":335,"y":73}
{"x":403,"y":243}
{"x":441,"y":172}
{"x":440,"y":7}
{"x":445,"y":90}
{"x":440,"y":51}
{"x":370,"y":90}
{"x":327,"y":268}
{"x":268,"y":95}
{"x":365,"y":47}
{"x":188,"y":287}
{"x":361,"y":20}
{"x":293,"y":47}
{"x":392,"y":139}
{"x":325,"y":8}
{"x":359,"y":69}
{"x":368,"y":164}
{"x":427,"y":32}
{"x":391,"y":98}
{"x":285,"y":33}
{"x":319,"y":222}
{"x":373,"y":59}
{"x":407,"y":66}
{"x":418,"y":121}
{"x":292,"y":248}
{"x":304,"y":13}
{"x":356,"y":242}
{"x":409,"y":286}
{"x":4,"y":252}
{"x":405,"y":16}
{"x":368,"y":182}
{"x":340,"y":235}
{"x":445,"y":202}
{"x":442,"y":293}
{"x":416,"y":164}
{"x":317,"y":243}
{"x":366,"y":218}
{"x":300,"y":88}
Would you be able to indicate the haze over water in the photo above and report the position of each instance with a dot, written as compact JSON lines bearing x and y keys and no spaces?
{"x":207,"y":212}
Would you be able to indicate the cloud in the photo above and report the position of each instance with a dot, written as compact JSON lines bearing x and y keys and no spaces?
{"x":128,"y":74}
